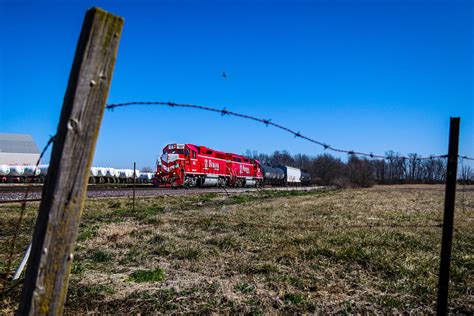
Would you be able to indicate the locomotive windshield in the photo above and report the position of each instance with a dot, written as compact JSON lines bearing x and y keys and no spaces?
{"x":175,"y":151}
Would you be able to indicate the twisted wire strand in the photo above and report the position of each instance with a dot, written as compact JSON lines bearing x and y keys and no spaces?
{"x":268,"y":122}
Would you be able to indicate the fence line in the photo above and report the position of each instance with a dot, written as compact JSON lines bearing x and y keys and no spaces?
{"x":223,"y":112}
{"x":268,"y":122}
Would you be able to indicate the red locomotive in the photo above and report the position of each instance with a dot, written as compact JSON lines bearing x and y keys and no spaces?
{"x":187,"y":165}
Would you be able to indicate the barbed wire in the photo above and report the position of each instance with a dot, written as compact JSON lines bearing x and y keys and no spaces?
{"x":268,"y":122}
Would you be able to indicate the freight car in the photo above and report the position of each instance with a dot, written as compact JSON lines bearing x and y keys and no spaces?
{"x":273,"y":175}
{"x":188,"y":165}
{"x":97,"y":175}
{"x":305,"y":177}
{"x":285,"y":175}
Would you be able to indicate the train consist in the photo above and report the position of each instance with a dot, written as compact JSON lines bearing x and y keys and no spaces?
{"x":181,"y":165}
{"x":188,"y":165}
{"x":98,"y":175}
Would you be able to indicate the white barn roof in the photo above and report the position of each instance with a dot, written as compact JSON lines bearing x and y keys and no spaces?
{"x":18,"y":144}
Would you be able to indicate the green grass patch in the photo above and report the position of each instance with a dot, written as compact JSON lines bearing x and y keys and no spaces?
{"x":293,"y":298}
{"x":87,"y":232}
{"x":207,"y":197}
{"x":77,"y":268}
{"x":155,"y":275}
{"x":100,"y":256}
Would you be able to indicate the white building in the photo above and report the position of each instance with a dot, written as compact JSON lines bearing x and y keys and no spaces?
{"x":18,"y":149}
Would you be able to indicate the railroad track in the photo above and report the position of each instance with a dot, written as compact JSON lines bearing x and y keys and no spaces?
{"x":17,"y":193}
{"x":9,"y":187}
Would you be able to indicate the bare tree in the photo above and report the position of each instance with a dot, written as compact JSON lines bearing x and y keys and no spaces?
{"x":326,"y":169}
{"x":282,"y":157}
{"x":360,"y":172}
{"x":467,"y":175}
{"x":379,"y":166}
{"x":302,"y":161}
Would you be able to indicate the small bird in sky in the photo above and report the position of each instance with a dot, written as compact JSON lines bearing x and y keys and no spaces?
{"x":224,"y":75}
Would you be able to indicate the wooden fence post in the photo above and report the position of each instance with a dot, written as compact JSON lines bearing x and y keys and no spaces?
{"x":64,"y":192}
{"x":448,"y":220}
{"x":134,"y":181}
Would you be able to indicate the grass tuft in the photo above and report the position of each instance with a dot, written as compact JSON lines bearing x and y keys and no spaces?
{"x":154,"y":275}
{"x":244,"y":288}
{"x":293,"y":298}
{"x":100,"y":256}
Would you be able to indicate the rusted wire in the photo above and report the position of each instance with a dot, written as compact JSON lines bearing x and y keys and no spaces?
{"x":268,"y":122}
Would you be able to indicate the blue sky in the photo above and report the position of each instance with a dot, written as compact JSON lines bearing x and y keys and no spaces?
{"x":362,"y":75}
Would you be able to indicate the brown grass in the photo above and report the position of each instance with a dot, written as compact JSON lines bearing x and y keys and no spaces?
{"x":368,"y":250}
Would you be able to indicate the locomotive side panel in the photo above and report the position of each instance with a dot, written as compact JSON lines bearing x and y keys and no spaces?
{"x":211,"y":162}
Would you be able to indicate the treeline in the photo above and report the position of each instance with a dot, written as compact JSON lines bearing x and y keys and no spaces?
{"x":326,"y":169}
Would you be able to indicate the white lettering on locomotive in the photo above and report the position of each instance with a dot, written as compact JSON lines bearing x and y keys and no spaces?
{"x":211,"y":164}
{"x":244,"y":169}
{"x":215,"y":165}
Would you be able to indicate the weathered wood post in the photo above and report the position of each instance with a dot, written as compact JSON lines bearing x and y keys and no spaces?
{"x":448,"y":219}
{"x":134,"y":181}
{"x":64,"y":192}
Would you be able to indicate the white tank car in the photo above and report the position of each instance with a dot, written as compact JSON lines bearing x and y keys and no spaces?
{"x":137,"y":173}
{"x":110,"y":172}
{"x":32,"y":171}
{"x":128,"y":173}
{"x":43,"y":169}
{"x":125,"y":173}
{"x":293,"y":175}
{"x":4,"y":170}
{"x":94,"y":172}
{"x":117,"y":173}
{"x":16,"y":170}
{"x":147,"y":176}
{"x":102,"y":172}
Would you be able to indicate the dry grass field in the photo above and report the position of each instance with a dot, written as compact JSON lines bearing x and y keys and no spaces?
{"x":347,"y":251}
